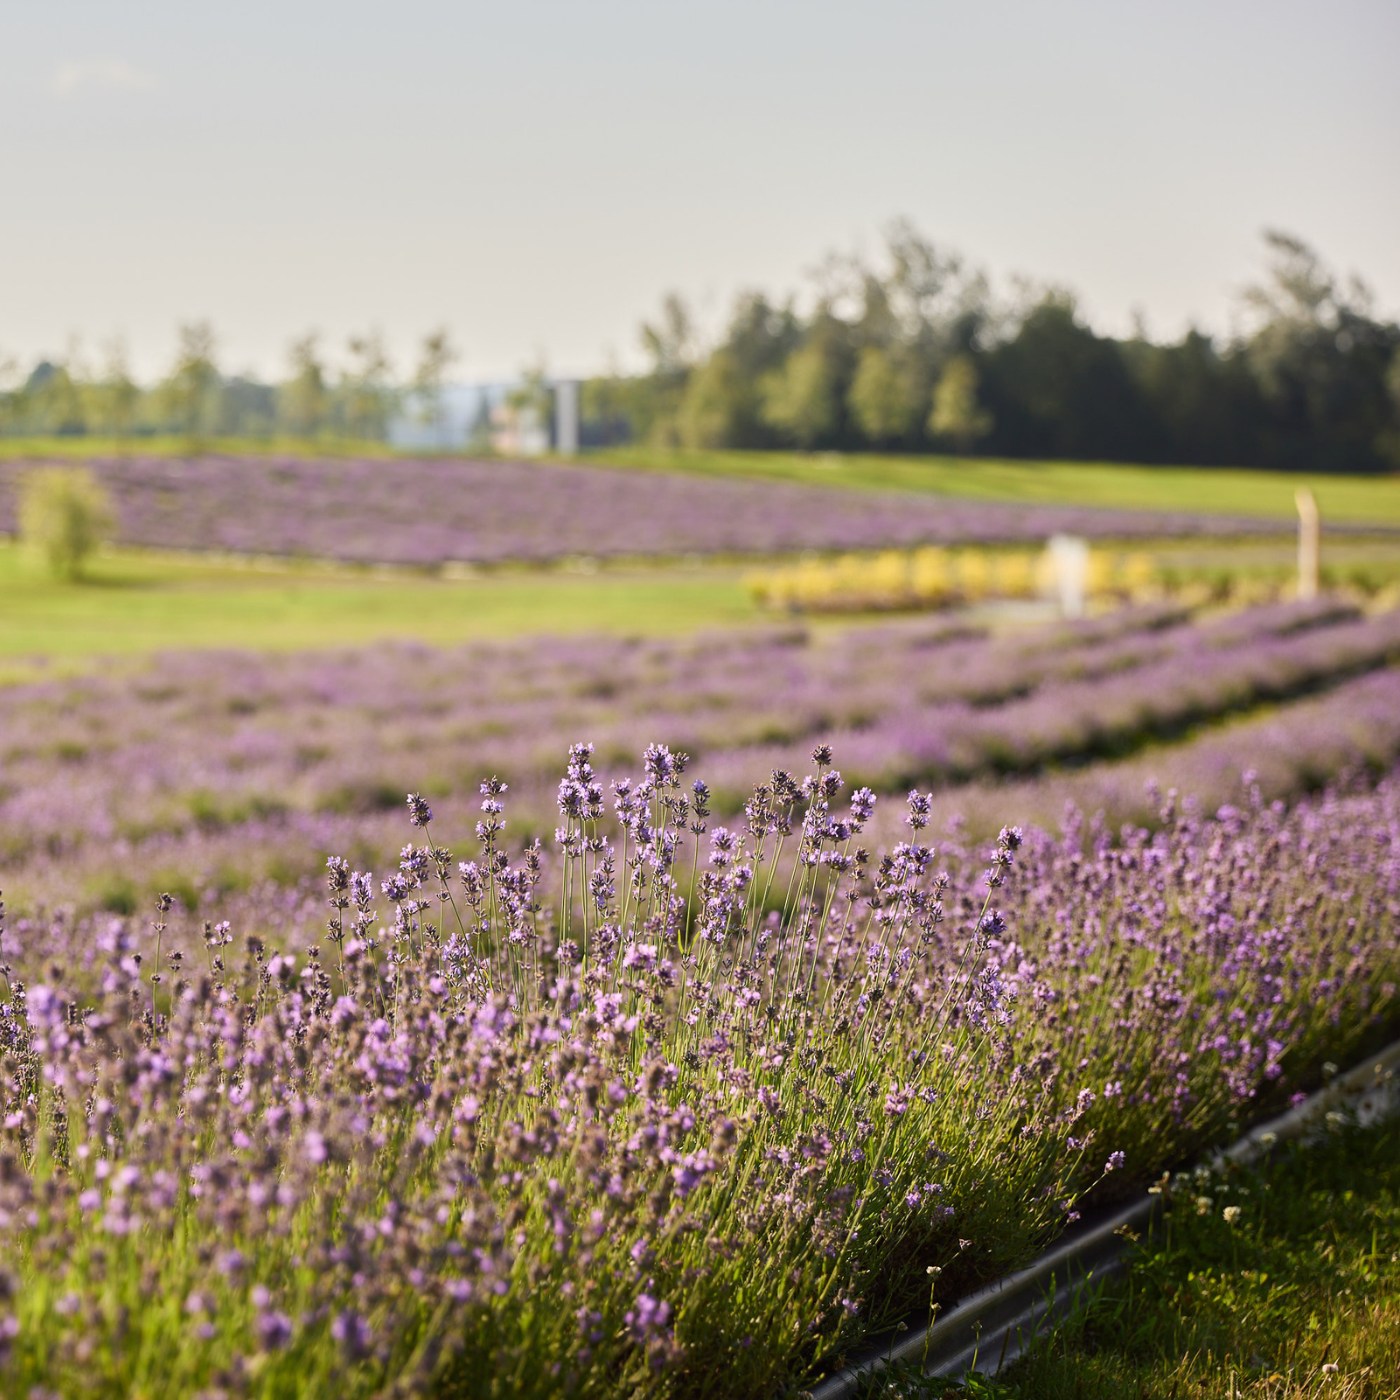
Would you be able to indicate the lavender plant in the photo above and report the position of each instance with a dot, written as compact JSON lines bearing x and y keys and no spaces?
{"x":692,"y":1122}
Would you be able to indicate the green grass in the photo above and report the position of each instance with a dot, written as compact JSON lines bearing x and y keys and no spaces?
{"x":135,"y":602}
{"x":139,"y":602}
{"x":1363,"y":500}
{"x":81,"y":447}
{"x":1308,"y":1278}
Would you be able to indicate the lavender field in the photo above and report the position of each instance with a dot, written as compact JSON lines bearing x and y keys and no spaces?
{"x":430,"y":512}
{"x":217,"y":770}
{"x":685,"y":1074}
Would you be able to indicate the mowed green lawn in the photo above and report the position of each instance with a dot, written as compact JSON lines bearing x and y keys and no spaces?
{"x":1362,"y":500}
{"x":135,"y":602}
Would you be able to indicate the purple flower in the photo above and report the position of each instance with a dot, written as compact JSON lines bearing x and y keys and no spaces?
{"x":641,"y":956}
{"x":647,"y":1318}
{"x":353,"y":1333}
{"x":274,"y":1330}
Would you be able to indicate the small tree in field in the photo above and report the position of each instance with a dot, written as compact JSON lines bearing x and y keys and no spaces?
{"x":65,"y":513}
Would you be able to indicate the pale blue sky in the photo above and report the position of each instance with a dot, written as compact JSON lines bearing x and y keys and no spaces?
{"x":537,"y":174}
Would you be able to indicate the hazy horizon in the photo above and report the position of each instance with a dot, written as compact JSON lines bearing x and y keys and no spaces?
{"x":537,"y":177}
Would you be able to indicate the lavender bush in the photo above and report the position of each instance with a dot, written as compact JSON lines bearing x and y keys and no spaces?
{"x":1296,"y":748}
{"x":1108,"y":713}
{"x":425,"y":513}
{"x":691,"y":1124}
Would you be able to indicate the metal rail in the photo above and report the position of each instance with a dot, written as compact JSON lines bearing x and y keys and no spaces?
{"x":1002,"y":1320}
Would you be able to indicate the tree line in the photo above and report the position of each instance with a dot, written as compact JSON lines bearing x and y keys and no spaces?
{"x":918,"y":355}
{"x":356,"y":399}
{"x":914,"y":355}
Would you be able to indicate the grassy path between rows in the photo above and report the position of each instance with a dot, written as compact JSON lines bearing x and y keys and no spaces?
{"x":1297,"y":1296}
{"x":1361,"y":500}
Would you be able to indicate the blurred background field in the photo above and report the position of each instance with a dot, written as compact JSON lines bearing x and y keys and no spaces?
{"x":1344,"y":498}
{"x":425,"y":513}
{"x":290,"y":552}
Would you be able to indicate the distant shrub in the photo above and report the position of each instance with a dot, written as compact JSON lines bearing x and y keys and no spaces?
{"x":65,"y":513}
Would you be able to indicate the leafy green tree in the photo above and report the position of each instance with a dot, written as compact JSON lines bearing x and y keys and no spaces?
{"x":113,"y":399}
{"x":670,"y":341}
{"x":884,"y":397}
{"x":11,"y":393}
{"x":532,"y":403}
{"x":1202,"y":406}
{"x":366,"y":391}
{"x":956,"y":414}
{"x":1321,"y":359}
{"x":247,"y":408}
{"x":1388,"y":440}
{"x":607,"y":408}
{"x":53,"y":401}
{"x":64,"y":513}
{"x":800,"y":398}
{"x":434,"y":360}
{"x":302,"y":399}
{"x":1056,"y":389}
{"x":1306,"y":387}
{"x":712,"y":403}
{"x":188,"y":400}
{"x":723,"y":403}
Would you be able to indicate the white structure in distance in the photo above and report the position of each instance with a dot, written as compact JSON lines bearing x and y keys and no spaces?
{"x":566,"y":417}
{"x":481,"y":418}
{"x":1069,"y":563}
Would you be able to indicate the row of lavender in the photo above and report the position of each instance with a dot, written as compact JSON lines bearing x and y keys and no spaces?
{"x":258,"y":870}
{"x":138,"y":768}
{"x":625,"y":1141}
{"x":427,"y":513}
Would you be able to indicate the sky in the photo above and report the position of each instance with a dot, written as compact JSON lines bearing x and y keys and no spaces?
{"x":536,"y":175}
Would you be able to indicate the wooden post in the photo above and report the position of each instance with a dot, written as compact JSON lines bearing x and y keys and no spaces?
{"x":1309,"y":543}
